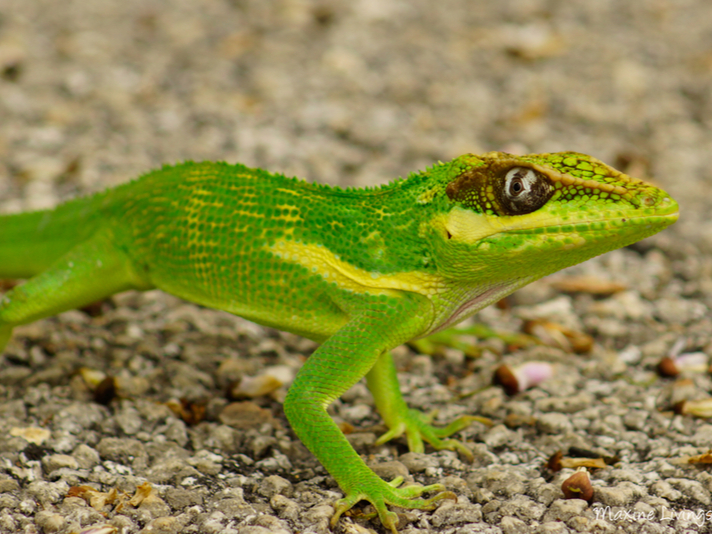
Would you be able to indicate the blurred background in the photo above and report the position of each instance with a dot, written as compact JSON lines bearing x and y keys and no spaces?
{"x":357,"y":92}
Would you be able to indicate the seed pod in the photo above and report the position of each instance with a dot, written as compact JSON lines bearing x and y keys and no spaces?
{"x":522,"y":377}
{"x":578,"y":486}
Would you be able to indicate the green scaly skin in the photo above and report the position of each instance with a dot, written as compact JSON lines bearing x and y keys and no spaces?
{"x":360,"y":270}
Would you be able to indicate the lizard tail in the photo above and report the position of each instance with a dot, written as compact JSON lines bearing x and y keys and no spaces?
{"x":30,"y":242}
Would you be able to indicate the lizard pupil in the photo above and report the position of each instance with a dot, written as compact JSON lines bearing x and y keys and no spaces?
{"x":519,"y":181}
{"x":524,"y":191}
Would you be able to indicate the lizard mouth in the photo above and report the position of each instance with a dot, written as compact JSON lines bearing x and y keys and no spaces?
{"x":665,"y":214}
{"x":649,"y":216}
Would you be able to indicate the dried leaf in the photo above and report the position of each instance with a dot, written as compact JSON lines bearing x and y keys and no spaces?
{"x":705,"y":458}
{"x":92,"y":377}
{"x":556,"y":335}
{"x":558,"y":461}
{"x":190,"y":412}
{"x":554,"y":462}
{"x":100,"y":529}
{"x":255,"y":386}
{"x":31,"y":434}
{"x":94,"y":498}
{"x":701,"y":408}
{"x":591,"y":463}
{"x":143,"y":493}
{"x":105,"y":391}
{"x":515,"y":420}
{"x":246,"y":415}
{"x":588,"y":284}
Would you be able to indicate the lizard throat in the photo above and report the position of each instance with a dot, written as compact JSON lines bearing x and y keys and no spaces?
{"x":476,"y":302}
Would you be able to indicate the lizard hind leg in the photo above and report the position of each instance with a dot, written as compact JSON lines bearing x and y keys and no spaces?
{"x":382,"y":381}
{"x":91,"y":271}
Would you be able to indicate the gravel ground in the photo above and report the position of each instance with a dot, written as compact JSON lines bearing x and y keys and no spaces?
{"x":94,"y":92}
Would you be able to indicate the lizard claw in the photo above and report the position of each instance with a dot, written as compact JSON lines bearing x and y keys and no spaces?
{"x":382,"y":493}
{"x":417,"y":428}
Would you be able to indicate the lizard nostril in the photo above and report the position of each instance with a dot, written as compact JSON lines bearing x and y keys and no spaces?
{"x":648,"y":201}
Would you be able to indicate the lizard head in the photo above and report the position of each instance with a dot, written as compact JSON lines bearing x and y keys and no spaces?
{"x":509,"y":217}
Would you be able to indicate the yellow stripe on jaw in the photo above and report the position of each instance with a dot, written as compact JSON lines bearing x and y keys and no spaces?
{"x":466,"y":226}
{"x":320,"y":260}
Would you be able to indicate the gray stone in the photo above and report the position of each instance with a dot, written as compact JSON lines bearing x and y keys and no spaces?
{"x":498,"y":436}
{"x":513,"y":525}
{"x":7,"y":522}
{"x":180,"y":498}
{"x":482,"y":495}
{"x":663,"y":489}
{"x":506,"y":483}
{"x":565,"y":509}
{"x":57,"y":461}
{"x":77,"y":509}
{"x":278,"y":462}
{"x":692,"y":489}
{"x":286,"y":508}
{"x":256,"y":530}
{"x":49,"y":521}
{"x":570,"y":404}
{"x":458,"y":485}
{"x":276,"y":526}
{"x":48,"y":492}
{"x":129,"y":420}
{"x":554,"y":423}
{"x":482,"y":455}
{"x":361,"y":440}
{"x":390,"y":470}
{"x":679,"y":311}
{"x":176,"y":430}
{"x":9,"y":502}
{"x":543,"y":492}
{"x":12,"y":410}
{"x":418,"y":462}
{"x":455,"y":513}
{"x":206,"y":463}
{"x":522,"y":507}
{"x":8,"y":484}
{"x":86,"y":456}
{"x":635,"y":419}
{"x":620,"y":495}
{"x":120,"y":449}
{"x":164,"y":525}
{"x":171,"y":469}
{"x":79,"y":416}
{"x":273,"y":485}
{"x":551,"y":527}
{"x":318,"y":517}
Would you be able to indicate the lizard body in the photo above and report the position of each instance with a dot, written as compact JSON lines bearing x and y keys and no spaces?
{"x":361,"y":271}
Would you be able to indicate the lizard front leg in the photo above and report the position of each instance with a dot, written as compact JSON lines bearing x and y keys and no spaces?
{"x":379,"y":325}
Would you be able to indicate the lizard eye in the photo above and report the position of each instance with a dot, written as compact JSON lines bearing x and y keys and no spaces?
{"x":524,"y":191}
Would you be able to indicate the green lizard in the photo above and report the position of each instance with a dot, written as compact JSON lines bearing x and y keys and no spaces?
{"x":359,"y":270}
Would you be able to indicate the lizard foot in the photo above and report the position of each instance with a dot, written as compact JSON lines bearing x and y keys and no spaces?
{"x":462,"y":339}
{"x":417,"y":428}
{"x":381,"y":493}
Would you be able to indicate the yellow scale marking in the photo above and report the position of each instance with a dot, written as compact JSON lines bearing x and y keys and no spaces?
{"x":320,"y":260}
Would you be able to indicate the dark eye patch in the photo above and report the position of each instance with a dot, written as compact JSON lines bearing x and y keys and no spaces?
{"x":502,"y":188}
